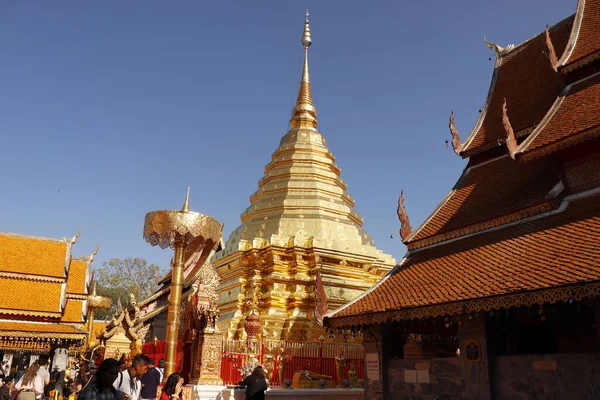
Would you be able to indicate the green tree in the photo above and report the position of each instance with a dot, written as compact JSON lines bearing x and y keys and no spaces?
{"x":118,"y":277}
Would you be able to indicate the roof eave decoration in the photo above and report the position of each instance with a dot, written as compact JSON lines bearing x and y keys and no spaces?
{"x":405,"y":228}
{"x":551,"y":51}
{"x":511,"y":140}
{"x":564,"y":60}
{"x":530,"y":298}
{"x":500,"y":51}
{"x":456,"y":144}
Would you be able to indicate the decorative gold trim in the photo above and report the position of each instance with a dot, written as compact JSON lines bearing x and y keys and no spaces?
{"x":584,"y":61}
{"x":504,"y":301}
{"x":482,"y":226}
{"x":40,"y":278}
{"x":30,"y":313}
{"x":73,"y":296}
{"x":42,"y":335}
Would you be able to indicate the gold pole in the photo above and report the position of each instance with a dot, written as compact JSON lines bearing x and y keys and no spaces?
{"x":90,"y":326}
{"x":174,"y":307}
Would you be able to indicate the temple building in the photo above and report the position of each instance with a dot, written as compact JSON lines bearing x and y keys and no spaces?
{"x":300,"y":249}
{"x":497,"y":295}
{"x":45,"y":296}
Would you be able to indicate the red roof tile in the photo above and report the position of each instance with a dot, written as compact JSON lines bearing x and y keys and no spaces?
{"x":489,"y":191}
{"x":524,"y":76}
{"x":585,"y":38}
{"x":575,"y":113}
{"x":556,"y":250}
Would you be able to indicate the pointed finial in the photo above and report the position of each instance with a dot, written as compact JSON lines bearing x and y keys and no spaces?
{"x":94,"y":253}
{"x":94,"y":288}
{"x":186,"y":203}
{"x":73,"y":240}
{"x":304,"y":114}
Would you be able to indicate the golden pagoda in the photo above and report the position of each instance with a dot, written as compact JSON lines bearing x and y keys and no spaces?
{"x":300,"y":229}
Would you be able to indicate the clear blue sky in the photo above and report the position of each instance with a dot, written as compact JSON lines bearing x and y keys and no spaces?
{"x":110,"y":109}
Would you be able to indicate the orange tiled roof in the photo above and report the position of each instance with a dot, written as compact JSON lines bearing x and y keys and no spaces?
{"x":575,"y":114}
{"x":526,"y":79}
{"x":488,"y":191}
{"x":34,"y":256}
{"x":73,"y":312}
{"x":556,"y":250}
{"x":39,"y":329}
{"x":28,"y":297}
{"x":584,"y":44}
{"x":77,"y":279}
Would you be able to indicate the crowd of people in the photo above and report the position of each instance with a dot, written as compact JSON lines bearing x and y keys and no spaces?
{"x":140,"y":380}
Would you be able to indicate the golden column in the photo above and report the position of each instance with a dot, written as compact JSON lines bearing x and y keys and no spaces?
{"x":95,"y":302}
{"x":177,"y":229}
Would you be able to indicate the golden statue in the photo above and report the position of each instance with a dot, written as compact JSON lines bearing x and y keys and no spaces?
{"x":136,"y":348}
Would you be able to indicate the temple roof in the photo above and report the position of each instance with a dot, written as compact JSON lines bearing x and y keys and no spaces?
{"x":490,"y":194}
{"x":74,"y":311}
{"x":79,"y":275}
{"x":583,"y":46}
{"x":482,"y":271}
{"x":34,"y":298}
{"x":525,"y":78}
{"x":574,"y":117}
{"x":40,"y":330}
{"x":39,"y":279}
{"x":34,"y":255}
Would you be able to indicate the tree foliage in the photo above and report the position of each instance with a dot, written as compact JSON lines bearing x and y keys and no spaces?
{"x":118,"y":277}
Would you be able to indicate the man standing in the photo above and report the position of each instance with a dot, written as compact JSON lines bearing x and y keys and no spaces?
{"x":44,"y":374}
{"x":128,"y":381}
{"x":150,"y":382}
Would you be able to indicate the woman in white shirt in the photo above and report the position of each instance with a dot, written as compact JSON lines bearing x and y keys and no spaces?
{"x":30,"y":386}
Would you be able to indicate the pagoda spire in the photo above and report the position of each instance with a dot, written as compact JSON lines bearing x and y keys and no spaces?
{"x":304,"y":114}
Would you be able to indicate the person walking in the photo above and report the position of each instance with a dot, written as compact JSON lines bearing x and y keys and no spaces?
{"x":128,"y":381}
{"x":31,"y":386}
{"x":256,"y":384}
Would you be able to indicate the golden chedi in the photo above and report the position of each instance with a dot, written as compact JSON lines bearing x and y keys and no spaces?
{"x":300,"y":229}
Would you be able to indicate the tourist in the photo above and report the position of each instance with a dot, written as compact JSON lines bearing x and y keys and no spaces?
{"x":128,"y":381}
{"x":20,"y":365}
{"x":31,"y":386}
{"x":6,"y":388}
{"x":100,"y":386}
{"x":43,"y":371}
{"x":256,"y":384}
{"x":150,"y":382}
{"x":173,"y":387}
{"x":161,"y":368}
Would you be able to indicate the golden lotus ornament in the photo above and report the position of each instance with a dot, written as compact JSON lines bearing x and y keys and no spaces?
{"x":179,"y":229}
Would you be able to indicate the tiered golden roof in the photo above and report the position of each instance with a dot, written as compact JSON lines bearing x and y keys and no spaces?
{"x":42,"y":286}
{"x":300,"y":220}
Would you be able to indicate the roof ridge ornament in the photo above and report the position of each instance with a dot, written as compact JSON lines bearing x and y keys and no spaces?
{"x":500,"y":51}
{"x":405,"y":228}
{"x":73,"y":239}
{"x":304,"y":114}
{"x":511,"y":140}
{"x":551,"y":51}
{"x":456,"y":144}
